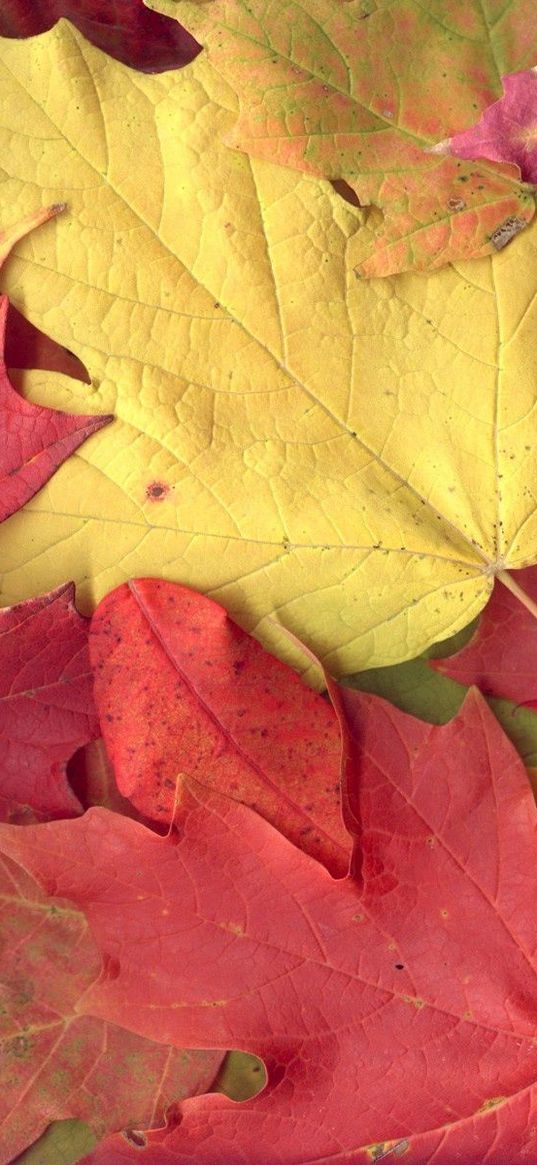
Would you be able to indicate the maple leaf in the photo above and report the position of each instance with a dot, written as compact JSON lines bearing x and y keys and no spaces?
{"x":392,"y":1007}
{"x":36,"y":439}
{"x":46,"y":704}
{"x":506,"y":132}
{"x":124,"y":28}
{"x":501,"y":655}
{"x":363,"y":93}
{"x":344,"y":453}
{"x":55,"y":1062}
{"x":183,"y":693}
{"x":25,"y":345}
{"x":28,"y":347}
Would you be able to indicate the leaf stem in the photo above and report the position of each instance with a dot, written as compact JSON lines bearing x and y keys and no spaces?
{"x":509,"y":582}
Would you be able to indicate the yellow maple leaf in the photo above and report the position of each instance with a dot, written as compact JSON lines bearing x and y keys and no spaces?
{"x":357,"y":457}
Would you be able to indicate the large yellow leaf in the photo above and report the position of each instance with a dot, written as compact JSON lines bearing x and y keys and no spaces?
{"x":357,"y":457}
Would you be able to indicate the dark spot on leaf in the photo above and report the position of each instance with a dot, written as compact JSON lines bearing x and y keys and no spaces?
{"x":135,"y":1138}
{"x":344,"y":190}
{"x":399,"y":966}
{"x":156,"y":491}
{"x":504,"y":233}
{"x":456,"y":204}
{"x":111,"y":967}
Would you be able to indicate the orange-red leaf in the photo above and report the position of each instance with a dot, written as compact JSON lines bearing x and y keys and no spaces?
{"x":182,"y":692}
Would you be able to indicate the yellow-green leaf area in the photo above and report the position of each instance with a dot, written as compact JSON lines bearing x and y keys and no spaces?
{"x":353,"y":457}
{"x":367,"y":94}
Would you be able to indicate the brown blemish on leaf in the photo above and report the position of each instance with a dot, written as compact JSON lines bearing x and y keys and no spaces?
{"x":504,"y":233}
{"x":344,"y":189}
{"x":156,"y":491}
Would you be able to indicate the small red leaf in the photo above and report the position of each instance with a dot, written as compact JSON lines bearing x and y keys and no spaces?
{"x":183,"y":693}
{"x":46,"y":704}
{"x":501,"y":657}
{"x":123,"y":28}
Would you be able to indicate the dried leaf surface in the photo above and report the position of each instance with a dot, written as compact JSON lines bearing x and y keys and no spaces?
{"x":347,"y":454}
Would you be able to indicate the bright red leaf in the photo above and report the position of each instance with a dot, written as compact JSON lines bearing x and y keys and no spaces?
{"x":396,"y":1009}
{"x":506,"y":131}
{"x":184,"y":693}
{"x":46,"y":705}
{"x":123,"y":28}
{"x":58,"y":1064}
{"x":501,"y":657}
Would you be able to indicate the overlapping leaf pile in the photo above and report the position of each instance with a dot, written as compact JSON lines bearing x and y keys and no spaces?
{"x":199,"y":853}
{"x":417,"y":968}
{"x":355,"y":455}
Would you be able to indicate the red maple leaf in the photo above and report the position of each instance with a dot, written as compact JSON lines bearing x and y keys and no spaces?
{"x":56,"y":1063}
{"x":46,"y":705}
{"x":501,"y":655}
{"x":123,"y":28}
{"x":35,"y":440}
{"x":184,"y":693}
{"x":394,"y":1009}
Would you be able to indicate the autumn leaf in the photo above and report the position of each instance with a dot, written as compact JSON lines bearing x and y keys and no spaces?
{"x":55,"y":1062}
{"x":399,"y":1009}
{"x":506,"y":130}
{"x":124,"y":28}
{"x":501,"y":655}
{"x":364,"y":93}
{"x":345,"y":454}
{"x":35,"y":439}
{"x":27,"y":347}
{"x":46,"y":705}
{"x":182,"y":693}
{"x":502,"y":1132}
